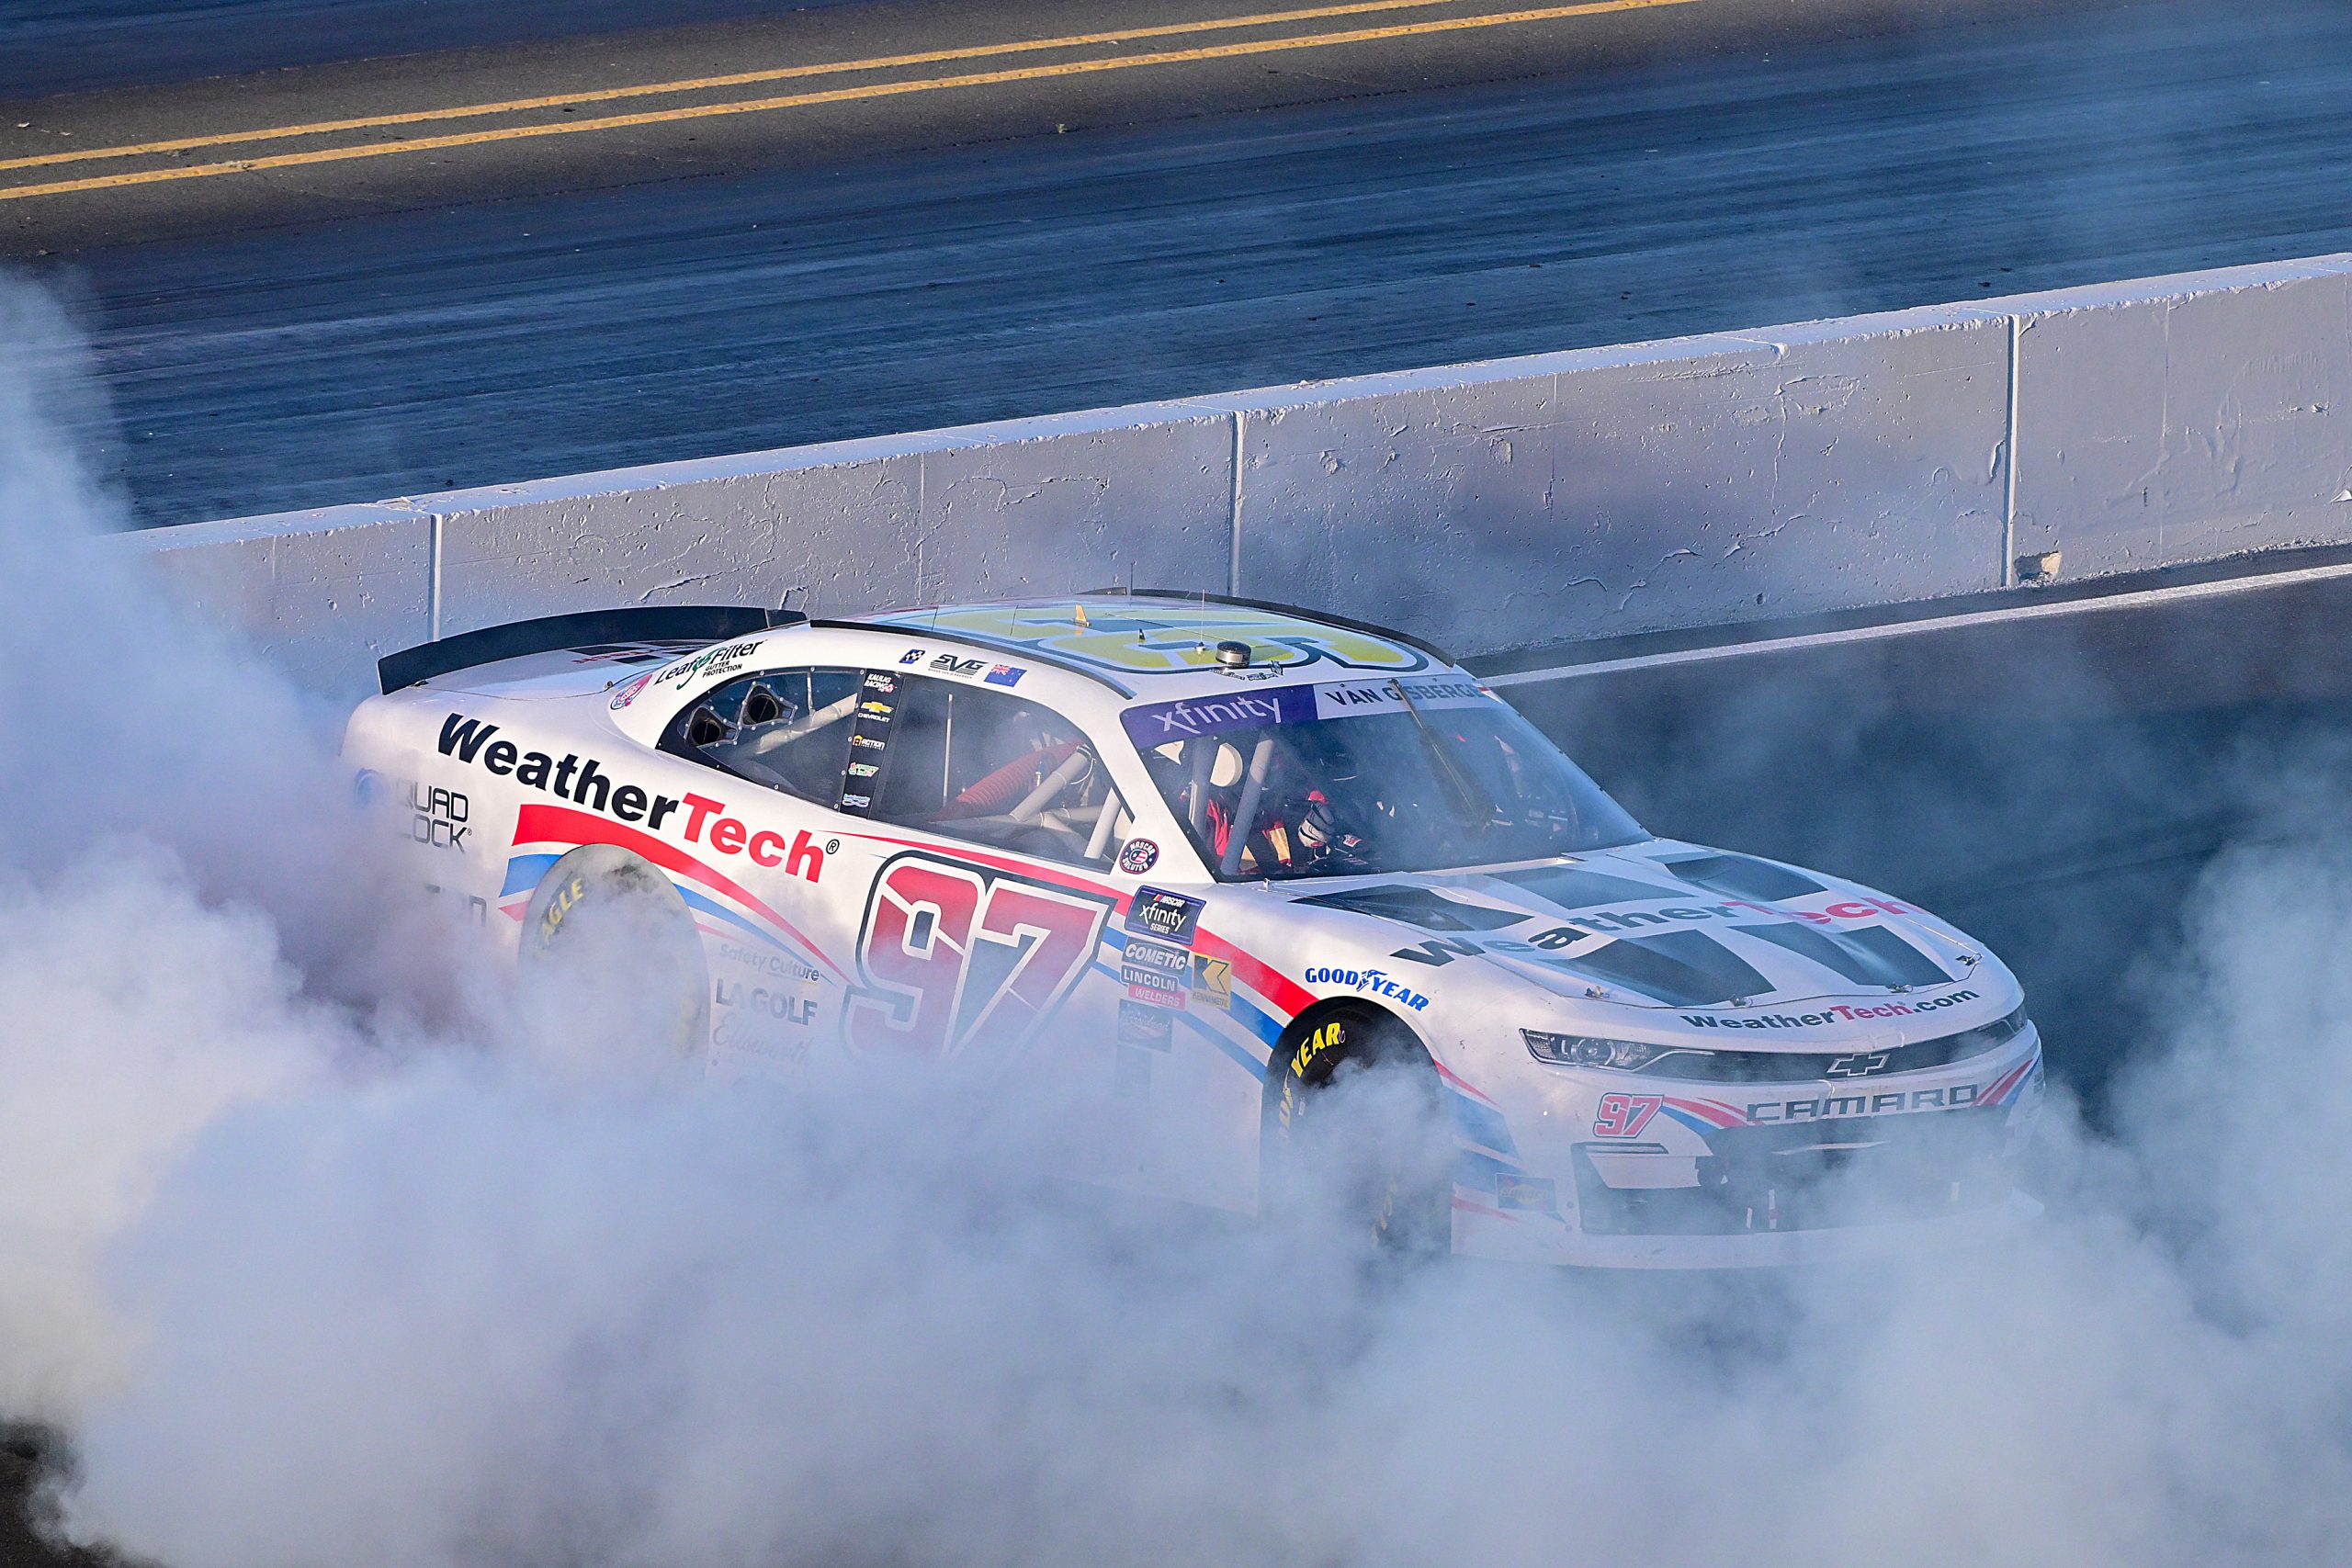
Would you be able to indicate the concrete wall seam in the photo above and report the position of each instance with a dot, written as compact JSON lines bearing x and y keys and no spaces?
{"x":2018,"y":326}
{"x":1233,"y":512}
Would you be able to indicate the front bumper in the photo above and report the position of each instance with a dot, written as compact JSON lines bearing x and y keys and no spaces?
{"x":1822,"y":1174}
{"x":1766,"y":1176}
{"x":1795,"y":1249}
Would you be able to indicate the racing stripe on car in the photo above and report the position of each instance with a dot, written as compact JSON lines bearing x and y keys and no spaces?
{"x":708,"y":909}
{"x":1481,"y":1123}
{"x":1287,"y":995}
{"x":1233,"y":1048}
{"x":1461,"y":1084}
{"x":1702,"y":1115}
{"x":536,"y":824}
{"x":2008,"y":1081}
{"x":524,"y":874}
{"x":712,"y":917}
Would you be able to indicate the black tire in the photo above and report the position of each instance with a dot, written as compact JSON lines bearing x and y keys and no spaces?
{"x":605,"y":877}
{"x":1354,"y":1115}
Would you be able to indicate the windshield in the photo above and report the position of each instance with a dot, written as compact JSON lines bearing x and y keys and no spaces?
{"x":1418,"y":774}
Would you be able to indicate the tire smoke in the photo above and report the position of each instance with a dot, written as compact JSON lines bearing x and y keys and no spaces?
{"x":324,"y":1245}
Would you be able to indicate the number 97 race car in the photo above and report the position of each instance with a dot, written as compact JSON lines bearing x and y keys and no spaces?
{"x":1194,"y":862}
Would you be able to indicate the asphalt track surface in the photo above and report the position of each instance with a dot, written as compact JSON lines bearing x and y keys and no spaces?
{"x":396,"y":323}
{"x":74,"y":46}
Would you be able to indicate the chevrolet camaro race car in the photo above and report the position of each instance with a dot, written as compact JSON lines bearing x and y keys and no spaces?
{"x":1195,"y":861}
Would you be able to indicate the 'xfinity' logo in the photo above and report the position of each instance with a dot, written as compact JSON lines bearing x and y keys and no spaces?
{"x":1187,"y":719}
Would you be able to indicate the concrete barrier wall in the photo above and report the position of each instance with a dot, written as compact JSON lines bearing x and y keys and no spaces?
{"x":1630,"y":490}
{"x":2208,"y":416}
{"x":1837,"y":465}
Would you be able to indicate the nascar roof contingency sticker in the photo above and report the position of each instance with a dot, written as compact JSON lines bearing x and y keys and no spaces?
{"x":869,"y":740}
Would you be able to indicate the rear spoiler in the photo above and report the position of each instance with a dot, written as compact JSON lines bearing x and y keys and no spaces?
{"x":651,"y":623}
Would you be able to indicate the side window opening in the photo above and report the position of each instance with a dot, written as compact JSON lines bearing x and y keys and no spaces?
{"x":998,"y":770}
{"x":786,"y":729}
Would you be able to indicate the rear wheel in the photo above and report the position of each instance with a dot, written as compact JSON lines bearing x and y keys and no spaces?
{"x":1354,"y":1120}
{"x":616,"y":935}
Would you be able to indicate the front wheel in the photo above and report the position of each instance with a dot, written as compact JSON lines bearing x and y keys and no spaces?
{"x":1354,"y":1125}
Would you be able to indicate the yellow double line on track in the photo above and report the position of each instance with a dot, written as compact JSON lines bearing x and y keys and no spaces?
{"x":786,"y":101}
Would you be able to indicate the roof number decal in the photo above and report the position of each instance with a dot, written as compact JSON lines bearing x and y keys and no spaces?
{"x":1160,"y":638}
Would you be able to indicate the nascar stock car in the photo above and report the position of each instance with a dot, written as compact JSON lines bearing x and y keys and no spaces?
{"x":1198,"y":859}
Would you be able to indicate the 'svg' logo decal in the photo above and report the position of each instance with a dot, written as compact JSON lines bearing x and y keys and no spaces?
{"x":951,"y":955}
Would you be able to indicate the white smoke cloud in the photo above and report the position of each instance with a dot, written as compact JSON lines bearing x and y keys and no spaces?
{"x":171,"y":831}
{"x":317,"y":1258}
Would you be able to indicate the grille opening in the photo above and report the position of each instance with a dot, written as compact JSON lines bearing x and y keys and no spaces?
{"x":1700,"y":1064}
{"x":1816,"y":1175}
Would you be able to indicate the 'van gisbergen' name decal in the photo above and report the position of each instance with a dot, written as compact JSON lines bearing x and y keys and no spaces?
{"x":583,"y":781}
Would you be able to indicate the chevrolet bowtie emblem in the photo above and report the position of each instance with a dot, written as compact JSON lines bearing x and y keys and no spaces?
{"x":1859,"y":1066}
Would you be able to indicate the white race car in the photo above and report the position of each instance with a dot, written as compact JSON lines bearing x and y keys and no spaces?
{"x":1194,"y":860}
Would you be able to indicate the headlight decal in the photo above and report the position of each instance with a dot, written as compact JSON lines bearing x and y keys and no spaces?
{"x":1591,"y":1051}
{"x":1711,"y":1063}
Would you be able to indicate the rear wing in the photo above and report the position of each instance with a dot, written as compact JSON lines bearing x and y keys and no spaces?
{"x":650,"y":623}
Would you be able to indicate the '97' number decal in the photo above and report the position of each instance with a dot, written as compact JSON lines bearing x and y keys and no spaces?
{"x":1625,"y":1115}
{"x":950,"y":956}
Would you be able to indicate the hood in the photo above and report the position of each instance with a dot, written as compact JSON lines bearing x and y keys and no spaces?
{"x":1721,"y":939}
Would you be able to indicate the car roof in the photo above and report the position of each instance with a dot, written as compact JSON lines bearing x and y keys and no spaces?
{"x":1163,"y":644}
{"x":1089,"y":655}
